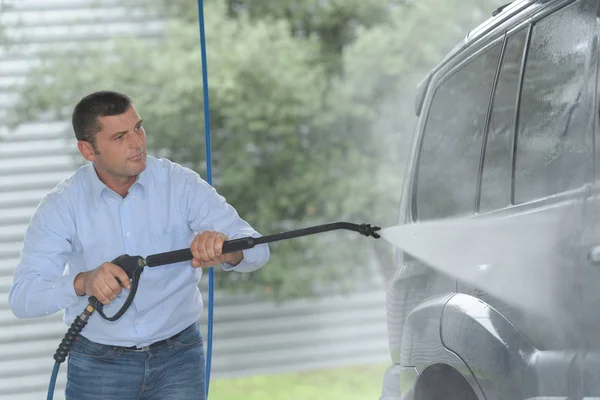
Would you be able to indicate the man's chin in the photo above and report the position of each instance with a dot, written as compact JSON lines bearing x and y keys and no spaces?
{"x":138,"y":166}
{"x":142,"y":167}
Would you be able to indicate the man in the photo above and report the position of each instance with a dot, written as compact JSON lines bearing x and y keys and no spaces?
{"x":124,"y":201}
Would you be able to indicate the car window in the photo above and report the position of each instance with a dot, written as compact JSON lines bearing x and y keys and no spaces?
{"x":554,"y":142}
{"x":496,"y":179}
{"x":451,"y":146}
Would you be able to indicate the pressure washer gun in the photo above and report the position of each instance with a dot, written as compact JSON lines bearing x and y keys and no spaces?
{"x":134,"y":266}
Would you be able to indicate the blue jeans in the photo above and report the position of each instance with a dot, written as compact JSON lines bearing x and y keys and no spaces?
{"x":171,"y":371}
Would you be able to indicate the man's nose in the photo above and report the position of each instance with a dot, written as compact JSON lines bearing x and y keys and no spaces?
{"x":136,"y":141}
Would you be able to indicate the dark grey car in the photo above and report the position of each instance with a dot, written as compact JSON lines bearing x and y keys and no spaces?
{"x":508,"y":127}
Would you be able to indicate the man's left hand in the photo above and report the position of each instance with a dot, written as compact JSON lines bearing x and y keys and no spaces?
{"x":207,"y":250}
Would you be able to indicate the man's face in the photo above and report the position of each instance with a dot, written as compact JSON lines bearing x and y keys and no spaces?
{"x":120,"y":146}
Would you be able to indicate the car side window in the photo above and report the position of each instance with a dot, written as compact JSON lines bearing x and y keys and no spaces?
{"x":554,"y":137}
{"x":448,"y":166}
{"x":496,"y":179}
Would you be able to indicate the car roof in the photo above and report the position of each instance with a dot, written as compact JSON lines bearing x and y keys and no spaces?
{"x":501,"y":14}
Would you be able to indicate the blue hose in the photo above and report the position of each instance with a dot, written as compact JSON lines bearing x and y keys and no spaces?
{"x":53,"y":380}
{"x":211,"y":272}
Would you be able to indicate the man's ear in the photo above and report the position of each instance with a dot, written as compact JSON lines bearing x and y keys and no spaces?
{"x":87,"y":150}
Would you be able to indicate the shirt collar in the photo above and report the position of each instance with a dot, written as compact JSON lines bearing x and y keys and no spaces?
{"x":98,"y":186}
{"x":142,"y":180}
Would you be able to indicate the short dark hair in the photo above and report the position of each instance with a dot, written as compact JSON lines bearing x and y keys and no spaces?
{"x":93,"y":106}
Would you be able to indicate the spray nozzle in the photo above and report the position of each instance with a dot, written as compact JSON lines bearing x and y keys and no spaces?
{"x":369,"y":230}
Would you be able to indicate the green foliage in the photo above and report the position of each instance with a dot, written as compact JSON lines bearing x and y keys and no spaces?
{"x":334,"y":23}
{"x":311,"y":115}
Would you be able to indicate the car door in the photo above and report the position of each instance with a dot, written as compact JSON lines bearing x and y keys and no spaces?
{"x":538,"y":160}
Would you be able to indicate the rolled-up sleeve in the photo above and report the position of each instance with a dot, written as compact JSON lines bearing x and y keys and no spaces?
{"x":208,"y":210}
{"x":41,"y":284}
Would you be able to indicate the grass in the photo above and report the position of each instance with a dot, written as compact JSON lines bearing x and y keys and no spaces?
{"x":347,"y":383}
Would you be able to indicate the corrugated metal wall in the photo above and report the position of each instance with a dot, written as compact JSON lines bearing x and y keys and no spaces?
{"x":250,"y":337}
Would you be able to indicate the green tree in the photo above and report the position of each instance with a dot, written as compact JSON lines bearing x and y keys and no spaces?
{"x":264,"y":87}
{"x":333,"y":22}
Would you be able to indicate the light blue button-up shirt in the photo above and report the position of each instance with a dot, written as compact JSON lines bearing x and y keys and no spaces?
{"x":82,"y":224}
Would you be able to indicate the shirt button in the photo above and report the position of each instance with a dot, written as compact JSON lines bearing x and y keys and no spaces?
{"x":137,"y":321}
{"x":128,"y":234}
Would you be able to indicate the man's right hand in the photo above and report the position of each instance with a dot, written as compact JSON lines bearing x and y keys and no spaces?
{"x":102,"y":282}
